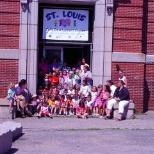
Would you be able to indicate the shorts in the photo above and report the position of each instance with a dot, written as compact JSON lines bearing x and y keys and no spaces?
{"x":10,"y":99}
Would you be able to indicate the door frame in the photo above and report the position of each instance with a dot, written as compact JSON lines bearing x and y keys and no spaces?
{"x":53,"y":47}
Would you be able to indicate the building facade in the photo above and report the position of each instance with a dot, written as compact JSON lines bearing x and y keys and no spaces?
{"x":117,"y":33}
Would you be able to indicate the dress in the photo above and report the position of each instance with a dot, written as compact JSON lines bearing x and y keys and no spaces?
{"x":99,"y":99}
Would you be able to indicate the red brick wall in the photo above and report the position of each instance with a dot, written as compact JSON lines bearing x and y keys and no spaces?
{"x":9,"y":73}
{"x":127,"y":35}
{"x":135,"y":76}
{"x":150,"y":28}
{"x":9,"y":24}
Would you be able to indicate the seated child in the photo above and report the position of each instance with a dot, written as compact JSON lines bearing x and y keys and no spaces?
{"x":81,"y":110}
{"x":44,"y":110}
{"x":90,"y":105}
{"x":11,"y":96}
{"x":63,"y":105}
{"x":51,"y":104}
{"x":33,"y":104}
{"x":69,"y":105}
{"x":57,"y":105}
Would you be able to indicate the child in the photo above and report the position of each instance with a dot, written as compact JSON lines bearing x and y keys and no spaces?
{"x":71,"y":91}
{"x":61,"y":78}
{"x":75,"y":101}
{"x":98,"y":101}
{"x":33,"y":104}
{"x":63,"y":105}
{"x":90,"y":105}
{"x":81,"y":110}
{"x":69,"y":105}
{"x":84,"y":89}
{"x":57,"y":105}
{"x":105,"y":98}
{"x":51,"y":104}
{"x":46,"y":80}
{"x":11,"y":96}
{"x":65,"y":94}
{"x":93,"y":94}
{"x":44,"y":110}
{"x":61,"y":91}
{"x":65,"y":75}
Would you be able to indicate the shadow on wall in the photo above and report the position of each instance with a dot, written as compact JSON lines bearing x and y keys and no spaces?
{"x":146,"y":93}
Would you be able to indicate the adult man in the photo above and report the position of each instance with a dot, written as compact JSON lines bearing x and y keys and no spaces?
{"x":121,"y":96}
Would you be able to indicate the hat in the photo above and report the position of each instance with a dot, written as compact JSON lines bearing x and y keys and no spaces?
{"x":34,"y":95}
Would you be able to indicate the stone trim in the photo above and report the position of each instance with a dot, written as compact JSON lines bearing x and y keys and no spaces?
{"x":9,"y":53}
{"x":149,"y":59}
{"x":128,"y":57}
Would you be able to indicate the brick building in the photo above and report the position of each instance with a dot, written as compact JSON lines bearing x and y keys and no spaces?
{"x":120,"y":32}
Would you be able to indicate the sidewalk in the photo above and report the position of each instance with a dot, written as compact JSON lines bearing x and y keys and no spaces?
{"x":142,"y":121}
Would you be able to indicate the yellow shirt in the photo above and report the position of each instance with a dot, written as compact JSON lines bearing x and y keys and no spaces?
{"x":50,"y":102}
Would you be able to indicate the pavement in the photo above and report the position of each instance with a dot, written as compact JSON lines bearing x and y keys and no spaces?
{"x":68,"y":135}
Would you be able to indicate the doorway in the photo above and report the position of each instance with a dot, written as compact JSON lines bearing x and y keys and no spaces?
{"x":72,"y":55}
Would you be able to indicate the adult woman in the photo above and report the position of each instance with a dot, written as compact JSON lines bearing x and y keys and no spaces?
{"x":86,"y":75}
{"x":83,"y":64}
{"x":54,"y":65}
{"x":122,"y":77}
{"x":121,"y":96}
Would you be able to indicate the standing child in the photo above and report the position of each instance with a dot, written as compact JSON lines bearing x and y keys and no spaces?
{"x":11,"y":96}
{"x":61,"y":78}
{"x":75,"y":101}
{"x":105,"y":98}
{"x":98,"y":101}
{"x":71,"y":90}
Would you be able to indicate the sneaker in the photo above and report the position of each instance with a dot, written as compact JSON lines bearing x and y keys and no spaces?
{"x":101,"y":117}
{"x":39,"y":116}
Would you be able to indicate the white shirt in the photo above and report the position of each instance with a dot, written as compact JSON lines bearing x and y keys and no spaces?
{"x":70,"y":81}
{"x":93,"y":96}
{"x":75,"y":102}
{"x":71,"y":92}
{"x":112,"y":88}
{"x":89,"y":103}
{"x":84,"y":90}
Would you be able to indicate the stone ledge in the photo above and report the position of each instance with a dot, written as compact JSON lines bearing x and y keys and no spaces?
{"x":128,"y":112}
{"x":8,"y":132}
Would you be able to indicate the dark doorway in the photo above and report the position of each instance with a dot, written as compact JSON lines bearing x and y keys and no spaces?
{"x":73,"y":55}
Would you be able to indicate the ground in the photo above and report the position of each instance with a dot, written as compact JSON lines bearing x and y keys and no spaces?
{"x":70,"y":135}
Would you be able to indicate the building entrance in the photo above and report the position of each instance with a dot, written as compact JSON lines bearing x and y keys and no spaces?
{"x":71,"y":55}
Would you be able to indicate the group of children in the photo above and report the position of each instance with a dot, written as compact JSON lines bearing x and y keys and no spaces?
{"x":62,"y":94}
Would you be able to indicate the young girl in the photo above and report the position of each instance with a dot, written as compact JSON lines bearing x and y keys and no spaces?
{"x":57,"y":105}
{"x":63,"y":105}
{"x":65,"y":75}
{"x":93,"y":94}
{"x":89,"y":105}
{"x":11,"y":96}
{"x":98,"y":101}
{"x":51,"y":104}
{"x":105,"y":98}
{"x":81,"y":110}
{"x":61,"y":78}
{"x":75,"y":101}
{"x":44,"y":110}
